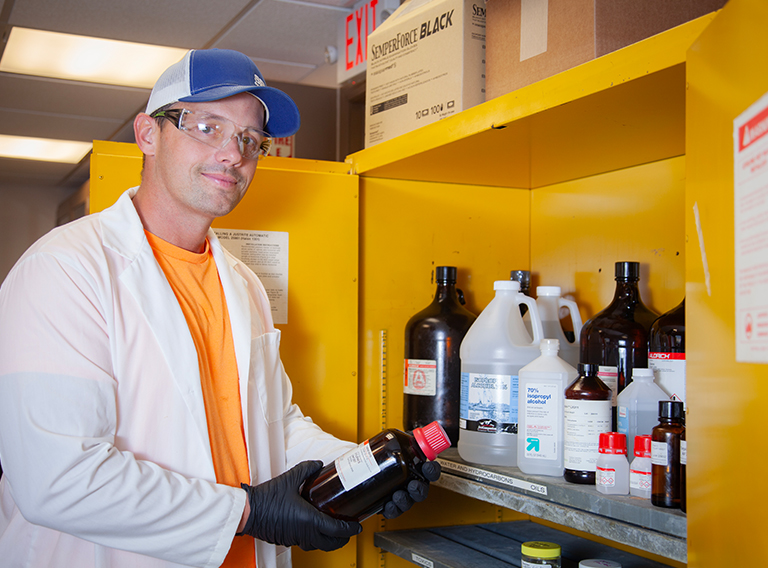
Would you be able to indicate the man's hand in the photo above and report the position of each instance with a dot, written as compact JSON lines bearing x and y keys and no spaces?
{"x":280,"y":515}
{"x":417,"y":491}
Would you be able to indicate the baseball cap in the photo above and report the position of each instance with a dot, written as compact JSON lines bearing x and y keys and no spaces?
{"x":205,"y":75}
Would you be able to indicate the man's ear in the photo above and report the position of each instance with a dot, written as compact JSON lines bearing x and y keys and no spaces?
{"x":146,"y":130}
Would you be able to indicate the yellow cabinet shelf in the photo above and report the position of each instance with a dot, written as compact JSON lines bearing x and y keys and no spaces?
{"x":620,"y":110}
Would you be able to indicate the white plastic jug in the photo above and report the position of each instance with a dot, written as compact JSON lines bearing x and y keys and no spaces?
{"x":549,"y":302}
{"x":638,"y":406}
{"x":540,"y":411}
{"x":492,"y":353}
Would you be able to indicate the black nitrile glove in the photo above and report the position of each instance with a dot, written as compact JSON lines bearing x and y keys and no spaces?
{"x":417,"y":491}
{"x":280,"y":515}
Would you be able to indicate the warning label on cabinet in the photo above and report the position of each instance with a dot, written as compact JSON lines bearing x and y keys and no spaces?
{"x":266,"y":253}
{"x":750,"y":164}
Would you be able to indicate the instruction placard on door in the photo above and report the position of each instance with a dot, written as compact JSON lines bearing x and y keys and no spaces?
{"x":266,"y":253}
{"x":750,"y":164}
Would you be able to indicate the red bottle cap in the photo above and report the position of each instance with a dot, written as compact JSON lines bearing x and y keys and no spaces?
{"x":643,"y":446}
{"x":432,"y":439}
{"x":613,"y":443}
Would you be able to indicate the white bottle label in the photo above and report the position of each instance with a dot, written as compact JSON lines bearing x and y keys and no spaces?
{"x":542,"y":409}
{"x":420,"y":377}
{"x":584,"y":421}
{"x":488,"y":403}
{"x":610,"y":376}
{"x":683,"y":452}
{"x":669,"y":369}
{"x":356,"y":466}
{"x":659,"y":454}
{"x":623,"y":420}
{"x":526,"y":564}
{"x":640,"y":479}
{"x":605,"y":477}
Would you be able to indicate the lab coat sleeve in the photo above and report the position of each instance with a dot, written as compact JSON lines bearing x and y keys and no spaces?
{"x":305,"y":440}
{"x":58,"y":421}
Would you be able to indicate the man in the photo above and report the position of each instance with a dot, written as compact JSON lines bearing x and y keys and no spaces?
{"x":145,"y":416}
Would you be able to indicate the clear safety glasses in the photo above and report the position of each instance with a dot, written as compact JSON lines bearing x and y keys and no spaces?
{"x":216,"y":131}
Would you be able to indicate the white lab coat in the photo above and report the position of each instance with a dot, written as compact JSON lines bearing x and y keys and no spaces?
{"x":103,"y":435}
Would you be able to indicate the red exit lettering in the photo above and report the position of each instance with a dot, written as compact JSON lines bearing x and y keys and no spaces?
{"x":358,"y":25}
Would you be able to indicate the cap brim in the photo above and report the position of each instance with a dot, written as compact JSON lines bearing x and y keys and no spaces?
{"x":284,"y":119}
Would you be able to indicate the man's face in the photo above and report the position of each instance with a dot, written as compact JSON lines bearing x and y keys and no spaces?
{"x":198,"y":179}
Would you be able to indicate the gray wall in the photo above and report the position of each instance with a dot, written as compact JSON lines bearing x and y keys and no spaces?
{"x":316,"y":139}
{"x":27,"y":214}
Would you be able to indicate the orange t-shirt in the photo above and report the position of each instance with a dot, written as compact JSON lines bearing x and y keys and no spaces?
{"x":194,"y":279}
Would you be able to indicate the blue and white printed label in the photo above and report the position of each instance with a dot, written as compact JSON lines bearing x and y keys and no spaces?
{"x":488,"y":403}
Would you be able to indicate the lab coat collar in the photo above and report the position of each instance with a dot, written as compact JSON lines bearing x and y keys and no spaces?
{"x":123,"y":232}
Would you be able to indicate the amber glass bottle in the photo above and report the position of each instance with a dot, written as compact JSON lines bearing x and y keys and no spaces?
{"x":617,"y":337}
{"x":683,"y":473}
{"x":359,"y":483}
{"x":587,"y":413}
{"x":665,"y":455}
{"x":432,"y":377}
{"x":666,"y":351}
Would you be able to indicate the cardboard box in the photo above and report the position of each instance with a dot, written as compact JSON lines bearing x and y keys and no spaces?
{"x":426,"y":62}
{"x":529,"y":40}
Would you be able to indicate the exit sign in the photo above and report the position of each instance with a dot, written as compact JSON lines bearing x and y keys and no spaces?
{"x":365,"y":17}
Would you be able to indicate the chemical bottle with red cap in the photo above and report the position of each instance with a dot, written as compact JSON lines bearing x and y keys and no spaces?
{"x":612,"y":476}
{"x":640,"y":468}
{"x":358,"y":484}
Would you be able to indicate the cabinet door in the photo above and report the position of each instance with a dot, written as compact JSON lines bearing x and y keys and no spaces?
{"x":726,"y":426}
{"x":316,"y":203}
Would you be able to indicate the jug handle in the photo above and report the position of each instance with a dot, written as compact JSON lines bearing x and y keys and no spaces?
{"x":460,"y":294}
{"x":573,"y":309}
{"x":538,"y":330}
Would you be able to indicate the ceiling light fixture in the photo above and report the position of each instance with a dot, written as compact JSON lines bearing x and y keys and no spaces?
{"x":90,"y":59}
{"x":43,"y":149}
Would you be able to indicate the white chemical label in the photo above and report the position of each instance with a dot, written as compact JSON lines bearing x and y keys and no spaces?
{"x":356,"y":466}
{"x":542,"y":408}
{"x":584,"y":422}
{"x":420,"y":377}
{"x":525,"y":564}
{"x":683,"y":452}
{"x":488,"y":403}
{"x":605,"y":477}
{"x":623,"y":420}
{"x":610,"y":376}
{"x":640,"y":479}
{"x":421,"y":561}
{"x":492,"y":476}
{"x":659,"y":454}
{"x":669,"y":371}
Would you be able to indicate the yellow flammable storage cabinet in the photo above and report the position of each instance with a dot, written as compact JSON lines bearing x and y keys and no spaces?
{"x":627,"y":157}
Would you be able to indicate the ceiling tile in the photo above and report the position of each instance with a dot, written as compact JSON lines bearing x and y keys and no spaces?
{"x":285,"y":31}
{"x":56,"y":127}
{"x":178,"y":23}
{"x":69,"y":98}
{"x":14,"y":171}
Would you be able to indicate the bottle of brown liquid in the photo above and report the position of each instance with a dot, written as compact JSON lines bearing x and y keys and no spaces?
{"x":665,"y":455}
{"x":683,"y":473}
{"x":617,"y":337}
{"x":358,"y":484}
{"x":587,"y":414}
{"x":432,"y":378}
{"x":666,"y":351}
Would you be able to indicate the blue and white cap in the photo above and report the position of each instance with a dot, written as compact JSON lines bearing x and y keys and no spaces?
{"x":205,"y":75}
